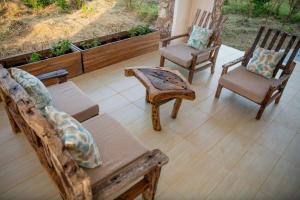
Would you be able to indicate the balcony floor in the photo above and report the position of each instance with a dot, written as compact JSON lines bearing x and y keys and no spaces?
{"x":217,"y":149}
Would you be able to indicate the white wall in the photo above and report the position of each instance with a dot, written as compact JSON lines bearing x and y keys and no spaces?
{"x":184,"y":12}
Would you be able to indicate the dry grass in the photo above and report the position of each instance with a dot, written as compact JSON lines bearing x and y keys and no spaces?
{"x":23,"y":29}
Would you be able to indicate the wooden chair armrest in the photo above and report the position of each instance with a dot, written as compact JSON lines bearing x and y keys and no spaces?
{"x":167,"y":40}
{"x":60,"y":75}
{"x":129,"y":174}
{"x":277,"y":83}
{"x":195,"y":54}
{"x":236,"y":61}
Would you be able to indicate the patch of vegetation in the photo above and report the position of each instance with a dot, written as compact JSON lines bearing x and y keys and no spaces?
{"x":139,"y":30}
{"x":287,"y":11}
{"x":37,"y":4}
{"x":90,"y":44}
{"x":146,"y":10}
{"x":60,"y":48}
{"x":85,"y":9}
{"x":35,"y":57}
{"x":62,"y":4}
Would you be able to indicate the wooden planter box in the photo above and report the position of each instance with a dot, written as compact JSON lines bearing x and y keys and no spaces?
{"x":116,"y":48}
{"x":70,"y":62}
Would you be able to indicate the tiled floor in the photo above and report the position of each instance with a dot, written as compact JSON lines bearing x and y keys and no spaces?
{"x":217,"y":149}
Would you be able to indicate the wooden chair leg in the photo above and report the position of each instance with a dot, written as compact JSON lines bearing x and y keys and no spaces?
{"x":162,"y":61}
{"x":191,"y":75}
{"x":155,"y":117}
{"x":176,"y":107}
{"x":277,"y":100}
{"x":147,"y":96}
{"x":152,"y":178}
{"x":219,"y":90}
{"x":260,"y":112}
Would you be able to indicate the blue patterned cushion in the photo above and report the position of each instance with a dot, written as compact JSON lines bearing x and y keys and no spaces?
{"x":34,"y":87}
{"x":199,"y":37}
{"x":75,"y":137}
{"x":264,"y":61}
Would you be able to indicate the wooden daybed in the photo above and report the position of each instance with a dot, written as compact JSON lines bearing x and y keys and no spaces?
{"x":129,"y":169}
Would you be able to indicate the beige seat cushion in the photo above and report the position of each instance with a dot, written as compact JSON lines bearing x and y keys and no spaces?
{"x":181,"y":54}
{"x":246,"y":83}
{"x":69,"y":98}
{"x":117,"y":147}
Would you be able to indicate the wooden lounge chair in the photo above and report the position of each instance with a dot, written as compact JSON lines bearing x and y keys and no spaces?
{"x":188,"y":57}
{"x":128,"y":170}
{"x":257,"y":88}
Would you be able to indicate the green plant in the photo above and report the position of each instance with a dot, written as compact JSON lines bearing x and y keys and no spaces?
{"x":35,"y":57}
{"x":148,"y":12}
{"x":61,"y":47}
{"x":87,"y":9}
{"x":63,"y":4}
{"x":36,"y":4}
{"x":76,"y":4}
{"x":139,"y":30}
{"x":90,"y":44}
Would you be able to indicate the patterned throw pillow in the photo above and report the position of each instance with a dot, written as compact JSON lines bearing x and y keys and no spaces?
{"x":34,"y":87}
{"x":199,"y":37}
{"x":75,"y":137}
{"x":264,"y":61}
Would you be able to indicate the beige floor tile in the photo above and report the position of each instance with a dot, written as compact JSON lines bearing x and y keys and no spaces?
{"x":276,"y":137}
{"x":230,"y":150}
{"x":262,"y":196}
{"x":128,"y":114}
{"x":233,"y":187}
{"x":283,"y":182}
{"x":122,"y":84}
{"x":291,"y":153}
{"x":37,"y":188}
{"x":114,"y":103}
{"x":19,"y":170}
{"x":134,"y":93}
{"x":256,"y":165}
{"x":208,"y":135}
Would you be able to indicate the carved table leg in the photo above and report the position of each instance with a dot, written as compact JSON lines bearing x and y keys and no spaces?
{"x":176,"y":107}
{"x":155,"y":117}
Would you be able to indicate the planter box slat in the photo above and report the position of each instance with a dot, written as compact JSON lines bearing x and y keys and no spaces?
{"x":111,"y":53}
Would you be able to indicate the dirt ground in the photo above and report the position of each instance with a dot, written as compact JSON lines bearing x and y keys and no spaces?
{"x":23,"y":29}
{"x":240,"y":31}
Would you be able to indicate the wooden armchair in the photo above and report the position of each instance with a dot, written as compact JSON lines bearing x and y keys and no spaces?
{"x":257,"y":88}
{"x":188,"y":57}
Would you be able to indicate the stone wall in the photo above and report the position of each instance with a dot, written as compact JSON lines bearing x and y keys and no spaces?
{"x":165,"y":17}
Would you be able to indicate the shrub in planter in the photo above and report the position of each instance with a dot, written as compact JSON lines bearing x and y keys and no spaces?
{"x":62,"y":55}
{"x":118,"y":47}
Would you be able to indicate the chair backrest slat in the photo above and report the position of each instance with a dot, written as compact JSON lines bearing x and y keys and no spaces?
{"x":264,"y":42}
{"x":281,"y":41}
{"x":202,"y":18}
{"x":207,"y":20}
{"x":293,"y":55}
{"x":250,"y":52}
{"x":286,"y":51}
{"x":273,"y":41}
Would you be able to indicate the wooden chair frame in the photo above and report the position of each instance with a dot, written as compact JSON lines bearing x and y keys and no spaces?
{"x":205,"y":21}
{"x":72,"y":181}
{"x":277,"y":88}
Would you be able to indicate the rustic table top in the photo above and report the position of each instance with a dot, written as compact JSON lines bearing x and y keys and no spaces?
{"x":162,"y":83}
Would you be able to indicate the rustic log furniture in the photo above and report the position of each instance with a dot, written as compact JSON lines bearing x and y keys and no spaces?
{"x":254,"y":87}
{"x":128,"y":169}
{"x":188,"y":57}
{"x":162,"y":85}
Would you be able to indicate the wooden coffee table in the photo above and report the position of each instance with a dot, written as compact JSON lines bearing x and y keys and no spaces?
{"x":162,"y":85}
